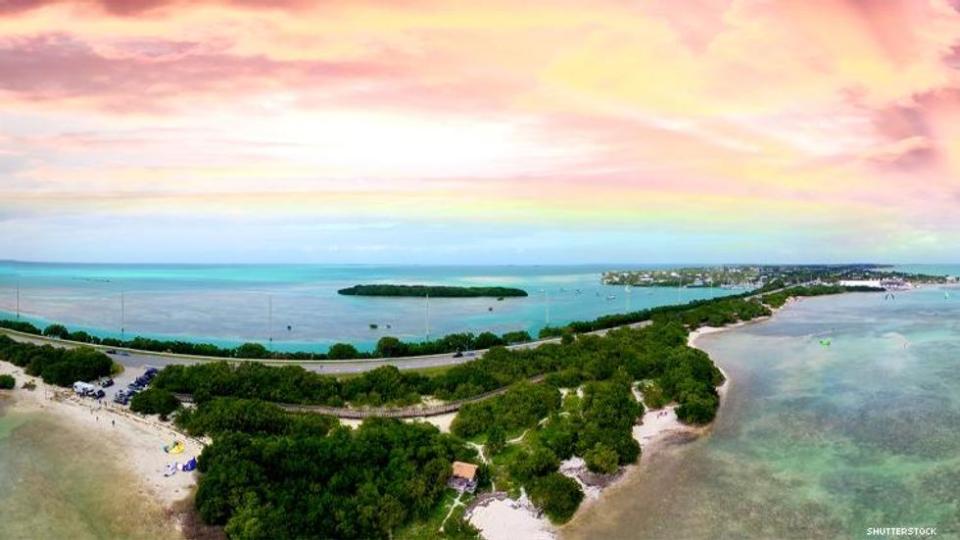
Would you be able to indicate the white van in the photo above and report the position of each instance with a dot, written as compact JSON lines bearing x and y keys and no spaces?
{"x":83,"y":389}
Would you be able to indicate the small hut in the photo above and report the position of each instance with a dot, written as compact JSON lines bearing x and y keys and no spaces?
{"x":464,"y":477}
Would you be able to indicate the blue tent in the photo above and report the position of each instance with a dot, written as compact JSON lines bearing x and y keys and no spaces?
{"x":190,"y":465}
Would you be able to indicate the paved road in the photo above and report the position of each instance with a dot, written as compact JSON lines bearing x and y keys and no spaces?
{"x":131,"y":358}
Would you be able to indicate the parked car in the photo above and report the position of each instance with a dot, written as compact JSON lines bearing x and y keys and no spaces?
{"x":111,"y":351}
{"x":98,"y":394}
{"x":151,"y":372}
{"x":82,"y":388}
{"x":106,"y":382}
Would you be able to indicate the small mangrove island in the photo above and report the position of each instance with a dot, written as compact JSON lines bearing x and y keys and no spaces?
{"x":436,"y":291}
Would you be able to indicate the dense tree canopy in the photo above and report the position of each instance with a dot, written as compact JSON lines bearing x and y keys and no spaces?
{"x":56,"y":365}
{"x":226,"y":415}
{"x":385,"y":385}
{"x":558,"y":496}
{"x":361,"y":483}
{"x":520,"y":407}
{"x":154,"y":401}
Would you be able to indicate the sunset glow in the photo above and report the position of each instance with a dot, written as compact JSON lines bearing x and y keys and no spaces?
{"x":247,"y":130}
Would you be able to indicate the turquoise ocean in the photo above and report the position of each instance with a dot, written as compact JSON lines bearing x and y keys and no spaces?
{"x":298,"y":305}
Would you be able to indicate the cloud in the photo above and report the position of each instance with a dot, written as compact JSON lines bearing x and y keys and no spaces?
{"x":146,"y":74}
{"x":793,"y":117}
{"x":139,"y":7}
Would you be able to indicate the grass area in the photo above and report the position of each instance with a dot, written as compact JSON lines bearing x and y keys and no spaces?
{"x":498,"y":470}
{"x":429,"y":528}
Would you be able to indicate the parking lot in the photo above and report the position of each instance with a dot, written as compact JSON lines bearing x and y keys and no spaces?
{"x":121,"y":382}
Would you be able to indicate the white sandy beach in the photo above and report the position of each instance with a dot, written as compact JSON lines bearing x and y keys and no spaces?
{"x":510,"y":519}
{"x":135,"y":440}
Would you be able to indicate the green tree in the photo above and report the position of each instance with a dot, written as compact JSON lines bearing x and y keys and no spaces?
{"x":154,"y":401}
{"x":342,"y":351}
{"x":519,"y":336}
{"x":57,"y":331}
{"x":533,"y":462}
{"x":555,"y":494}
{"x":252,"y":350}
{"x":487,"y":340}
{"x":601,"y":459}
{"x":7,"y":382}
{"x":653,"y":396}
{"x":389,"y":347}
{"x":496,"y":439}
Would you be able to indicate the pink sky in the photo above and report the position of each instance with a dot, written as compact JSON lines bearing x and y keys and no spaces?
{"x":362,"y":131}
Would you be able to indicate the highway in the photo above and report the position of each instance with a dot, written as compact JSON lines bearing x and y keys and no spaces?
{"x":132,"y":358}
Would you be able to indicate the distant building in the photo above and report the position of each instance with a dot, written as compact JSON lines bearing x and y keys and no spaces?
{"x":894,"y":284}
{"x":860,"y":283}
{"x":464,"y":477}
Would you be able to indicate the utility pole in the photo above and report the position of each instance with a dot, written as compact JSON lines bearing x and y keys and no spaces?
{"x":427,"y":323}
{"x":546,"y":307}
{"x":270,"y":319}
{"x":123,"y":316}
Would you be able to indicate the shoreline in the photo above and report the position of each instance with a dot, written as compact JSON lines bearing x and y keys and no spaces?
{"x":136,"y":442}
{"x":658,"y":431}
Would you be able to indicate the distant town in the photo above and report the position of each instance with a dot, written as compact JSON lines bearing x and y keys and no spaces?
{"x":755,"y":276}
